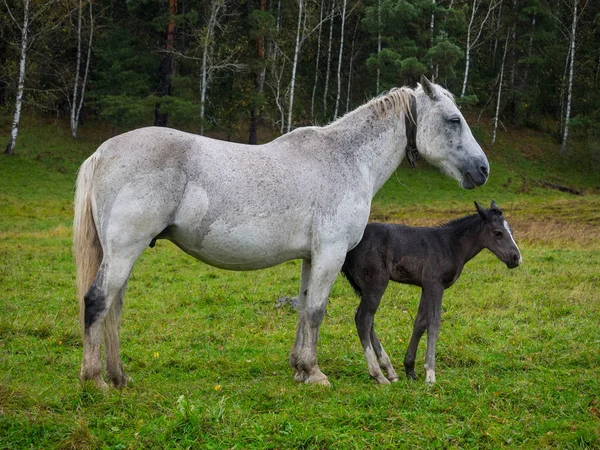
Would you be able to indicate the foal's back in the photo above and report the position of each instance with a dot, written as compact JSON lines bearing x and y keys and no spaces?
{"x":408,"y":255}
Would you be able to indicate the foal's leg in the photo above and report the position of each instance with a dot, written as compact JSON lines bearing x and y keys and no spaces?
{"x":364,"y":320}
{"x":324,"y":268}
{"x":384,"y":360}
{"x":429,"y":309}
{"x":434,"y":321}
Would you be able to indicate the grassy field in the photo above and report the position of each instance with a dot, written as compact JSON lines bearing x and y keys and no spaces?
{"x":518,"y":355}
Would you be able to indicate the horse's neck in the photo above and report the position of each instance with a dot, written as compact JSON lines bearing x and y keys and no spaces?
{"x":466,"y":234}
{"x":376,"y":144}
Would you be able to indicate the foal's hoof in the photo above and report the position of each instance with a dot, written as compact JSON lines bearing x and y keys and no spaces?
{"x":430,"y":377}
{"x":411,"y":375}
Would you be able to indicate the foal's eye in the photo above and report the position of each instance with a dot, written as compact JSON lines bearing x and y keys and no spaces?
{"x":499,"y":234}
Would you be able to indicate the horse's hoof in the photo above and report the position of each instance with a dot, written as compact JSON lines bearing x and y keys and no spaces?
{"x":393,"y":379}
{"x":411,"y":375}
{"x":121,"y":382}
{"x":382,"y":380}
{"x":300,"y":376}
{"x":321,"y":381}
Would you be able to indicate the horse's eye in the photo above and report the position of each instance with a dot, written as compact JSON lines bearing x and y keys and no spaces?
{"x":454,"y":119}
{"x":499,"y":234}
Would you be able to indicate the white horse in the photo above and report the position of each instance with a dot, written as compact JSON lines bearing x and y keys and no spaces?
{"x":306,"y":195}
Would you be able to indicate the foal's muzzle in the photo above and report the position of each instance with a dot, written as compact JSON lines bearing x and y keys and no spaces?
{"x":514,"y":260}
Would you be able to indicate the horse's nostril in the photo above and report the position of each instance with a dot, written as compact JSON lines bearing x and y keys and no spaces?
{"x":484,"y":171}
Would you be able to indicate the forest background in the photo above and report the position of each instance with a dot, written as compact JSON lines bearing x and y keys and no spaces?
{"x":235,"y":67}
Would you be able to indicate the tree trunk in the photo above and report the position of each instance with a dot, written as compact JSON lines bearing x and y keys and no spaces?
{"x":500,"y":88}
{"x":207,"y":48}
{"x":378,"y":44}
{"x":77,"y":102}
{"x":431,"y":33}
{"x":339,"y":68}
{"x":327,"y":71}
{"x":167,"y":67}
{"x":295,"y":64}
{"x":259,"y":82}
{"x":10,"y":148}
{"x":563,"y":147}
{"x":350,"y":67}
{"x":312,"y":101}
{"x":529,"y":47}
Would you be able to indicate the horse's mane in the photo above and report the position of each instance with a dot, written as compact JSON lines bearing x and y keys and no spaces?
{"x":395,"y":101}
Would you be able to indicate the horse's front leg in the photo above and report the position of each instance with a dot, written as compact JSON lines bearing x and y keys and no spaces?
{"x":323,"y":270}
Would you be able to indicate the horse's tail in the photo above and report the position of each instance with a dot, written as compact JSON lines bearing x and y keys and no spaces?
{"x":348,"y":274}
{"x":86,"y":244}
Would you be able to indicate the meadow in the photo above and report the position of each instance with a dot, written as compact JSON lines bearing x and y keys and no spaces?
{"x":518,"y":355}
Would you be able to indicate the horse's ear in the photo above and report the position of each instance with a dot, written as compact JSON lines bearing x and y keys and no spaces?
{"x":494,"y":207}
{"x":482,"y":211}
{"x":428,"y":88}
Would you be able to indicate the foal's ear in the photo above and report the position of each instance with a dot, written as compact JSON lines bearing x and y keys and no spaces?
{"x":428,"y":88}
{"x":482,"y":211}
{"x":494,"y":207}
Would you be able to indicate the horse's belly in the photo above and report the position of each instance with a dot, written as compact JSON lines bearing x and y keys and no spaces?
{"x":247,"y":246}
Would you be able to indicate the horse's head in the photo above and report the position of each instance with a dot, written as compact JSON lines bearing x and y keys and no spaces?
{"x":444,"y":138}
{"x":497,"y":236}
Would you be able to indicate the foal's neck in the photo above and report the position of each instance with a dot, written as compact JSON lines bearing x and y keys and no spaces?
{"x":466,"y":234}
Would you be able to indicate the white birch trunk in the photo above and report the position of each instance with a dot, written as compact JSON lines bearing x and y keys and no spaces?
{"x":378,"y":44}
{"x":350,"y":67}
{"x":327,"y":71}
{"x":312,"y":101}
{"x":339,"y":69}
{"x":471,"y":42}
{"x":295,"y":65}
{"x":207,"y":48}
{"x":10,"y":148}
{"x":77,"y":102}
{"x":500,"y":88}
{"x":431,"y":31}
{"x":563,"y":147}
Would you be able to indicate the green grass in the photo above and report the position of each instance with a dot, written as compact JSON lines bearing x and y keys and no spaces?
{"x":518,"y":355}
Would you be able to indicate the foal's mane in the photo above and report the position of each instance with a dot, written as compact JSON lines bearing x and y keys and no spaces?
{"x":470,"y":222}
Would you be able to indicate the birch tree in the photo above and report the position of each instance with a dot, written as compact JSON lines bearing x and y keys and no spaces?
{"x":207,"y":46}
{"x":30,"y":15}
{"x":501,"y":79}
{"x":378,"y":45}
{"x":12,"y":142}
{"x":328,"y":67}
{"x":295,"y":63}
{"x":339,"y":68}
{"x":474,"y":32}
{"x":314,"y":91}
{"x":79,"y":93}
{"x":563,"y":146}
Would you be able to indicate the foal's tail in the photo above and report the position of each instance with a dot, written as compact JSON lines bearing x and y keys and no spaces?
{"x":348,"y":274}
{"x":86,"y":245}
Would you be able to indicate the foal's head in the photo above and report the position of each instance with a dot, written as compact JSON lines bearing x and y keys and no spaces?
{"x":497,"y":236}
{"x":444,"y":138}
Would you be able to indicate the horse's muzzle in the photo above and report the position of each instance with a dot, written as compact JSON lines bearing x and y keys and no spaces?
{"x":476,"y":176}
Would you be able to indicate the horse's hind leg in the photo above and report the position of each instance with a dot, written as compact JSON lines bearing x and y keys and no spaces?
{"x":103,"y":303}
{"x":112,"y":349}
